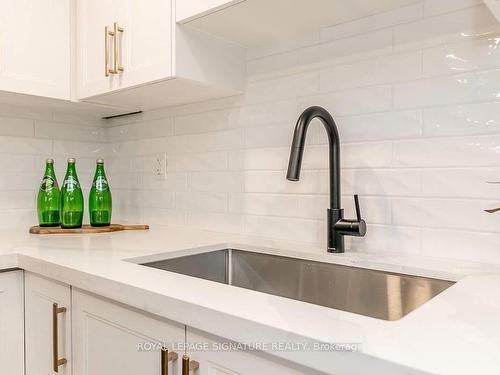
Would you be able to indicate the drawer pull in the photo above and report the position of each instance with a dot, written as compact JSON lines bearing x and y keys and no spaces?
{"x":166,"y":357}
{"x":188,"y":365}
{"x":117,"y":67}
{"x":56,"y":310}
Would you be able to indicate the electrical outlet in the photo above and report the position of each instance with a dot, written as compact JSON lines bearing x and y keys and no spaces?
{"x":160,"y":166}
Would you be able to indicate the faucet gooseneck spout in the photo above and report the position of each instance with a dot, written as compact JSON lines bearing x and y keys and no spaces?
{"x":338,"y":227}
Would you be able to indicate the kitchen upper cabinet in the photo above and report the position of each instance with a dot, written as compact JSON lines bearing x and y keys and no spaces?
{"x":11,"y":323}
{"x":141,"y":45}
{"x":47,"y":326}
{"x":255,"y":23}
{"x":148,"y":61}
{"x":109,"y":338}
{"x":220,"y":360}
{"x":190,"y":9}
{"x":35,"y":41}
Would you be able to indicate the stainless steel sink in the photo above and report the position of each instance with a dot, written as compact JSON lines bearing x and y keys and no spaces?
{"x":377,"y":294}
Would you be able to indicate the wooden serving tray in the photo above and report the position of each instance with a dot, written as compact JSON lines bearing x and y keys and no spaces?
{"x":87,"y":229}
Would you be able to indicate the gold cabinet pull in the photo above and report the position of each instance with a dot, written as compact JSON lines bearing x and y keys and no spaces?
{"x":166,"y":357}
{"x":56,"y":310}
{"x":107,"y":34}
{"x":188,"y":365}
{"x":117,"y":67}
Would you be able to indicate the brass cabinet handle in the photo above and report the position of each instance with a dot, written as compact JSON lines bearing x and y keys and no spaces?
{"x":116,"y":50}
{"x":107,"y":34}
{"x":166,"y":357}
{"x":56,"y":310}
{"x":188,"y":365}
{"x":117,"y":67}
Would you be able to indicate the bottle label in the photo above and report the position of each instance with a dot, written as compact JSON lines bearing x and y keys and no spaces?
{"x":71,"y":183}
{"x":101,"y":184}
{"x":47,"y":184}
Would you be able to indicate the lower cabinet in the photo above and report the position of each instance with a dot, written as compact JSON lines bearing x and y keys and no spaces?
{"x":212,"y":356}
{"x":72,"y":332}
{"x":11,"y":323}
{"x":47,"y":326}
{"x":109,"y":339}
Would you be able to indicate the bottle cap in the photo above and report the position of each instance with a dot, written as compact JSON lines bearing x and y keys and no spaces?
{"x":99,"y":161}
{"x":71,"y":160}
{"x":49,"y":161}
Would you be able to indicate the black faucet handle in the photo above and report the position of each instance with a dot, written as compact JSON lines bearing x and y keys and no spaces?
{"x":358,"y":210}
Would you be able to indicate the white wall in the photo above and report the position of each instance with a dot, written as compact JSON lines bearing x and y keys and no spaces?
{"x":27,"y":137}
{"x":414,"y":92}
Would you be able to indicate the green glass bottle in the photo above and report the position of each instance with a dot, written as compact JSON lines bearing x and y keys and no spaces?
{"x":48,"y":198}
{"x":100,"y":202}
{"x":71,"y":199}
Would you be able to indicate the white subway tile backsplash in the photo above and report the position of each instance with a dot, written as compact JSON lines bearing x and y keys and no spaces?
{"x":157,"y":199}
{"x":461,"y":182}
{"x":276,"y":182}
{"x":80,"y":149}
{"x":61,"y":131}
{"x":206,"y":161}
{"x":225,"y":223}
{"x":433,"y":7}
{"x":222,"y":140}
{"x":462,"y":24}
{"x":201,"y":122}
{"x":366,"y":155}
{"x":450,"y":152}
{"x":389,"y":239}
{"x":147,"y":129}
{"x":386,"y":69}
{"x":18,"y":199}
{"x":281,"y":228}
{"x":352,"y":101}
{"x":377,"y":21}
{"x":466,"y":119}
{"x":266,"y":204}
{"x":445,"y":213}
{"x":384,"y":182}
{"x":462,"y":244}
{"x":201,"y":202}
{"x":277,"y":62}
{"x":16,"y":127}
{"x":454,"y":89}
{"x":16,"y":163}
{"x":29,"y":146}
{"x":376,"y":43}
{"x":215,"y":181}
{"x":287,"y":87}
{"x":482,"y":53}
{"x":381,"y":126}
{"x":264,"y":114}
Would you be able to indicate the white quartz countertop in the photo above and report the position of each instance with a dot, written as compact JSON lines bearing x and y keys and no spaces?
{"x":457,"y":332}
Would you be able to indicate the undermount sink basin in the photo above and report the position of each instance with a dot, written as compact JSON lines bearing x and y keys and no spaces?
{"x":378,"y":294}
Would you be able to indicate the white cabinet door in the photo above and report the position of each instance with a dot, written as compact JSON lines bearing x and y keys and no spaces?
{"x":11,"y":323}
{"x":41,"y":330}
{"x":216,"y":359}
{"x":109,"y":338}
{"x":144,"y":48}
{"x":93,"y":16}
{"x":35,"y":47}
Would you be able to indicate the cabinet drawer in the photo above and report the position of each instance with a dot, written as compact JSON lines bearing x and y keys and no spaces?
{"x":46,"y":327}
{"x":110,"y":338}
{"x":11,"y":323}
